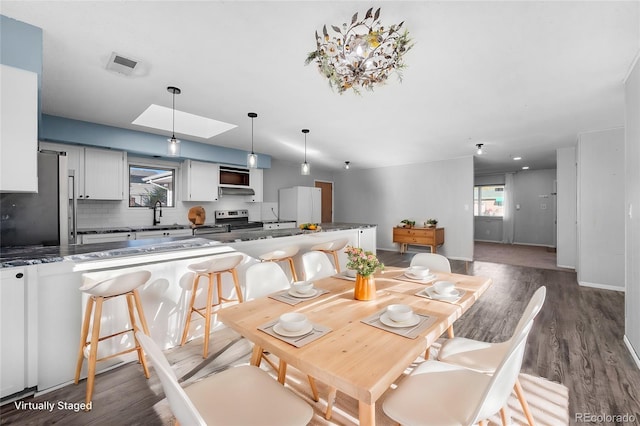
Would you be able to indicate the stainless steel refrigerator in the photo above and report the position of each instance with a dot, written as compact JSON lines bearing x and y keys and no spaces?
{"x":45,"y":218}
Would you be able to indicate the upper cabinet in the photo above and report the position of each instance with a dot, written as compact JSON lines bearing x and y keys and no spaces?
{"x":255,"y":182}
{"x":200,"y":181}
{"x":18,"y":130}
{"x":99,"y":173}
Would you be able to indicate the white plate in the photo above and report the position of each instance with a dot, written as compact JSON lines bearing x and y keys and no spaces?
{"x":281,"y":331}
{"x":312,"y":293}
{"x":384,"y":318}
{"x":429,"y":277}
{"x":432,"y":293}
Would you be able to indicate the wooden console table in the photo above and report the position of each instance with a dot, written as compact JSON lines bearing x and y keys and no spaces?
{"x":431,"y":237}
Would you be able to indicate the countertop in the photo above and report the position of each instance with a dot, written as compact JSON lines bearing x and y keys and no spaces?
{"x":23,"y":256}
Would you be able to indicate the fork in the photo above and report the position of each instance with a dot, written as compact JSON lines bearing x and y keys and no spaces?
{"x":304,"y":336}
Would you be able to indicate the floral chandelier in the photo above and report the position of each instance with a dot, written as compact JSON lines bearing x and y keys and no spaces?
{"x":362,"y":54}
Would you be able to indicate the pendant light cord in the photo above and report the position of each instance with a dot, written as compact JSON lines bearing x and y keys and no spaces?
{"x":173,"y":123}
{"x":252,"y":135}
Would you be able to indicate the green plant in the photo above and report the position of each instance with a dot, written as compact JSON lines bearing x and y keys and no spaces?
{"x":363,"y":262}
{"x":432,"y":221}
{"x":408,"y":222}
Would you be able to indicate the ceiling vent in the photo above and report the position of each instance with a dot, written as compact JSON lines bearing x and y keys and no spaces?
{"x":121,"y":65}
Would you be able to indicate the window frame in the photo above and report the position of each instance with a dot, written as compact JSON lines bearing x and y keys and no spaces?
{"x":153,"y":164}
{"x":480,"y":199}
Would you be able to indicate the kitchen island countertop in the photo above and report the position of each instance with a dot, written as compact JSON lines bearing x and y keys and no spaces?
{"x":23,"y":256}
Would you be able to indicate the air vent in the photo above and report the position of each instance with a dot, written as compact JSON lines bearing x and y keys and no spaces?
{"x":122,"y":65}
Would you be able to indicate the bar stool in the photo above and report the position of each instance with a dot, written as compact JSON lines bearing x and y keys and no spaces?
{"x":281,"y":255}
{"x":332,"y":247}
{"x":100,"y":291}
{"x":210,"y":268}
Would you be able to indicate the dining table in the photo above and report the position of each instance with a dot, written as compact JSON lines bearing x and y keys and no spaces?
{"x":353,"y":353}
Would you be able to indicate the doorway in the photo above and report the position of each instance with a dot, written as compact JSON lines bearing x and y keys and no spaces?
{"x":326,"y":200}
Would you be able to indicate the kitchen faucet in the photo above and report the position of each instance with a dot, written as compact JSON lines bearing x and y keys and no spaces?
{"x":156,"y":206}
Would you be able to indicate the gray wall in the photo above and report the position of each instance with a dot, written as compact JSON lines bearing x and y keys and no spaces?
{"x":632,"y":210}
{"x":566,"y":208}
{"x":385,"y":196}
{"x":601,"y":209}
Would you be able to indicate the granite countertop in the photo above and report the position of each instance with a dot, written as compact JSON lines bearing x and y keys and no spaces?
{"x":23,"y":256}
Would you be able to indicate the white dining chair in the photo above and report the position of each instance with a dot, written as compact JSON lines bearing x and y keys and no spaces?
{"x":332,"y":248}
{"x":485,"y":357}
{"x":317,"y":265}
{"x":243,"y":395}
{"x":438,"y":393}
{"x":433,"y":261}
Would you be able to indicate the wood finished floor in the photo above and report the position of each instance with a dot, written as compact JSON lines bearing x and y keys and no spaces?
{"x":576,"y":341}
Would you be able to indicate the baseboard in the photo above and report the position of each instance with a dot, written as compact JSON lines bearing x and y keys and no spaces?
{"x":601,"y":286}
{"x":534,"y":245}
{"x":489,"y":241}
{"x":466,"y":259}
{"x":566,"y":266}
{"x":632,"y":351}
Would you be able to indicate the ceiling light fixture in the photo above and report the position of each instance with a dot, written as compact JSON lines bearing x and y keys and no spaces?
{"x":305,"y":168}
{"x":479,"y":150}
{"x":347,"y":165}
{"x":252,"y":159}
{"x":361,"y":54}
{"x":173,"y":148}
{"x":517,"y":158}
{"x":525,"y":167}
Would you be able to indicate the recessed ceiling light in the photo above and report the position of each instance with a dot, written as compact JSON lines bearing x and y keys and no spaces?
{"x":517,"y":158}
{"x":159,"y":117}
{"x":525,"y":167}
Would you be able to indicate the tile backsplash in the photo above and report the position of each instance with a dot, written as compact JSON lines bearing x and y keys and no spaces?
{"x":108,"y":214}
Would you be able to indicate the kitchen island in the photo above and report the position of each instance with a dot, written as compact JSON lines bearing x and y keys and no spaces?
{"x":48,"y":305}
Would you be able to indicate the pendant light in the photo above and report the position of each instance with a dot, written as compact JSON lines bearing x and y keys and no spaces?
{"x":305,"y":168}
{"x":252,"y":159}
{"x":347,"y":165}
{"x":173,"y":147}
{"x":479,"y":150}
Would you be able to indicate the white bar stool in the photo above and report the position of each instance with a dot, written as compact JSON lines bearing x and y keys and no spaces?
{"x":281,"y":255}
{"x":210,"y":268}
{"x":100,"y":291}
{"x":332,"y":247}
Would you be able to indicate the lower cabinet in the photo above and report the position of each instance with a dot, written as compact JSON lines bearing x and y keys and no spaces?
{"x":279,"y":225}
{"x":13,"y":331}
{"x":107,"y":238}
{"x":367,"y":238}
{"x":163,"y":233}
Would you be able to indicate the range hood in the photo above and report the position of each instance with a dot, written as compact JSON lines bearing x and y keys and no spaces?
{"x":235,"y":190}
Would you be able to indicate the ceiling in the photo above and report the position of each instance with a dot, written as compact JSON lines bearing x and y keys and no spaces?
{"x":523,"y":78}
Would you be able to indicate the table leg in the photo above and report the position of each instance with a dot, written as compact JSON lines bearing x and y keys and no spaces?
{"x":367,"y":413}
{"x":256,"y":355}
{"x":282,"y":372}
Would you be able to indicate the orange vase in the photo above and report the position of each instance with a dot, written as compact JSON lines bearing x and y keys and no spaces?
{"x":365,"y":288}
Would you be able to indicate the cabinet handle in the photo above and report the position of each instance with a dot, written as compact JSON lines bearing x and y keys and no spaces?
{"x":19,"y":275}
{"x":86,"y":196}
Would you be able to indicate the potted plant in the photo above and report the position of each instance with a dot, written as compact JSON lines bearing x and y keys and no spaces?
{"x":365,"y":263}
{"x":431,"y":223}
{"x":408,"y":223}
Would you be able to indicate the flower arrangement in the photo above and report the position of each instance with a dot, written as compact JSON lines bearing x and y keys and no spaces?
{"x":363,"y":262}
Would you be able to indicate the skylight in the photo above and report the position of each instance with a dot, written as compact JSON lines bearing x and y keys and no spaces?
{"x":159,"y":117}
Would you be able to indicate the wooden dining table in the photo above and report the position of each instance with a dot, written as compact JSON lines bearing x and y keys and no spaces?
{"x":355,"y":358}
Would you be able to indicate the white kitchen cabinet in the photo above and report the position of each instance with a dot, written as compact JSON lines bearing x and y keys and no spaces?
{"x":140,"y":235}
{"x":18,"y":130}
{"x":99,"y":173}
{"x":256,"y":183}
{"x":107,"y":238}
{"x":367,"y":238}
{"x":13,"y":331}
{"x":279,"y":225}
{"x":200,"y":181}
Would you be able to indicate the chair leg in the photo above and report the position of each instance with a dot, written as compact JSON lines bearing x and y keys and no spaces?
{"x":236,"y":284}
{"x":143,"y":320}
{"x":427,"y":353}
{"x":84,"y":333}
{"x":503,"y":417}
{"x":293,"y":269}
{"x":282,"y":371}
{"x":187,"y":322}
{"x":450,"y":332}
{"x":93,"y":351}
{"x":314,"y":389}
{"x":132,"y":317}
{"x":331,"y":399}
{"x":207,"y":319}
{"x":335,"y":260}
{"x":523,"y":402}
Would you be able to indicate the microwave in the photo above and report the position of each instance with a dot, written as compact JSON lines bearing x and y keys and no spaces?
{"x":236,"y":176}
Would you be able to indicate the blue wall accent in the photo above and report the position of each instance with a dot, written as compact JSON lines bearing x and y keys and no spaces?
{"x":65,"y":130}
{"x":21,"y":47}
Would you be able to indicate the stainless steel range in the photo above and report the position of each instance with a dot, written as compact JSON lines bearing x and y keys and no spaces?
{"x":236,"y":219}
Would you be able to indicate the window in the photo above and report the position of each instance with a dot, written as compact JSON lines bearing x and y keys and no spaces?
{"x":488,"y":200}
{"x":149,"y":184}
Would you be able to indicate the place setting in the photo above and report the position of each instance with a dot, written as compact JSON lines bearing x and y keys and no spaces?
{"x":295,"y":329}
{"x":348,"y":274}
{"x":299,"y":291}
{"x":400,"y":319}
{"x":417,"y":274}
{"x":443,"y":291}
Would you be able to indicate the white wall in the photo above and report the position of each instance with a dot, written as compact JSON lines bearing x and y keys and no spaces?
{"x":566,"y":207}
{"x":534,"y":221}
{"x":385,"y":196}
{"x":632,"y":209}
{"x":601,"y":209}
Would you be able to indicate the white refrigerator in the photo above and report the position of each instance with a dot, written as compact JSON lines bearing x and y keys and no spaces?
{"x":300,"y":203}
